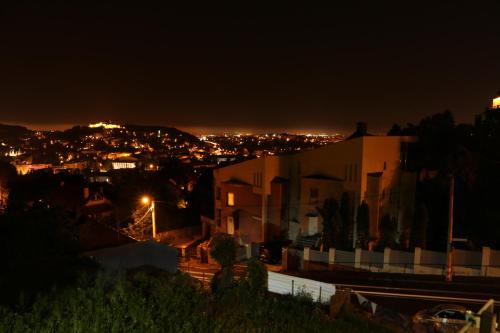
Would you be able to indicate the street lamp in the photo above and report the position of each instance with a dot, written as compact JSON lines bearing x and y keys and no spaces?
{"x":146,"y":200}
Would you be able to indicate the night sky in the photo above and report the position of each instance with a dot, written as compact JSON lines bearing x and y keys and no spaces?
{"x":247,"y":67}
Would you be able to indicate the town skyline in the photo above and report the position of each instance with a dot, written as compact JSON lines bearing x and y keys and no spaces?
{"x":217,"y":130}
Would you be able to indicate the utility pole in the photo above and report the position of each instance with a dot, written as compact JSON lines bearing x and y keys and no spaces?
{"x":153,"y":218}
{"x":449,"y":245}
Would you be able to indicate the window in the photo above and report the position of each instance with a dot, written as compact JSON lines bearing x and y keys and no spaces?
{"x":230,"y":199}
{"x":356,"y":172}
{"x":219,"y":217}
{"x":312,"y":225}
{"x":313,"y":195}
{"x":217,"y":193}
{"x":230,"y":225}
{"x":257,"y":179}
{"x":350,"y":172}
{"x":385,"y":165}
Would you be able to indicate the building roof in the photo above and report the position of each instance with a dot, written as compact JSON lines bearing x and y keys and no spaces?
{"x":148,"y":253}
{"x":235,"y":181}
{"x":323,"y":177}
{"x":280,"y":180}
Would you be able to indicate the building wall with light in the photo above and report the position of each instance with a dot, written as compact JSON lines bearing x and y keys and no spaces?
{"x":312,"y":176}
{"x":123,"y":165}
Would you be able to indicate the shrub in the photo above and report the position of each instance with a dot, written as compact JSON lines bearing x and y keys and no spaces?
{"x":223,"y":250}
{"x":256,"y":276}
{"x":166,"y":303}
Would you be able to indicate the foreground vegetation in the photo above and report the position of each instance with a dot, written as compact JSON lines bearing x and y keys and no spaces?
{"x":141,"y":302}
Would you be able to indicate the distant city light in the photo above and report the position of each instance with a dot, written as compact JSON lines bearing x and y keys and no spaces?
{"x":105,"y":124}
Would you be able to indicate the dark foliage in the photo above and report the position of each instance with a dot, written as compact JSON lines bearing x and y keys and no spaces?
{"x":38,"y":250}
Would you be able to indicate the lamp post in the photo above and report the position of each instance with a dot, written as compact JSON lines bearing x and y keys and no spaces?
{"x":146,"y":200}
{"x":449,"y":243}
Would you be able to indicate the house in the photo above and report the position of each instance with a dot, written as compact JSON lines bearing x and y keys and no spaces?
{"x":260,"y":199}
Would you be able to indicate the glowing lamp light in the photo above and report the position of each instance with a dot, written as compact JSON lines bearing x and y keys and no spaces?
{"x":145,"y":200}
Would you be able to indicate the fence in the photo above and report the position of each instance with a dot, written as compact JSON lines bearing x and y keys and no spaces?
{"x":465,"y":263}
{"x":291,"y":285}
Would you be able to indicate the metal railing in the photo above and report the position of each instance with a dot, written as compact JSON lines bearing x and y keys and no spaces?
{"x":485,"y":319}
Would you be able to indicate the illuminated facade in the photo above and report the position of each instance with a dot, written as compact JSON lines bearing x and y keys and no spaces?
{"x":263,"y":198}
{"x":123,"y":165}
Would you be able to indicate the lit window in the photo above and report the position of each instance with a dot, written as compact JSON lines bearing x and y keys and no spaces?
{"x":230,"y":199}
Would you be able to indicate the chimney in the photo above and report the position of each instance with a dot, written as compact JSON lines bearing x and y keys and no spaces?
{"x":361,"y":128}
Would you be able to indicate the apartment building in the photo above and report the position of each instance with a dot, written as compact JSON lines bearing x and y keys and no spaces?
{"x":266,"y":197}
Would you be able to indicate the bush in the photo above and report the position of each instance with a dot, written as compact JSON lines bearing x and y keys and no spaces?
{"x":166,"y":303}
{"x":256,"y":276}
{"x":223,"y":250}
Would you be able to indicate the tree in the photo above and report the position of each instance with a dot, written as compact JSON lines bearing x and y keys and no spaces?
{"x":223,"y":250}
{"x":388,"y":231}
{"x":347,"y":221}
{"x":363,"y":224}
{"x":38,"y":249}
{"x":141,"y":226}
{"x":332,"y":224}
{"x":419,"y":229}
{"x":256,"y":276}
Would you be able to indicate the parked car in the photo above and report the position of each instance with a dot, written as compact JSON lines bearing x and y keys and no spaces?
{"x":441,"y":318}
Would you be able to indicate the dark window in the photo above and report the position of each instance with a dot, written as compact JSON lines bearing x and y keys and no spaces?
{"x":385,"y":165}
{"x":236,"y":222}
{"x":356,"y":172}
{"x":219,"y":217}
{"x":313,"y":195}
{"x":350,"y":172}
{"x":217,"y":193}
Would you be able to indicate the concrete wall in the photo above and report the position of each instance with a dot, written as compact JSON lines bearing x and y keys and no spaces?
{"x":344,"y":258}
{"x":490,"y":262}
{"x":369,"y":260}
{"x":317,"y":256}
{"x":398,"y":261}
{"x":466,"y":263}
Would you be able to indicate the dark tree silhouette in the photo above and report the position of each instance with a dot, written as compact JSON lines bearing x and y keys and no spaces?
{"x":362,"y":225}
{"x":332,"y":224}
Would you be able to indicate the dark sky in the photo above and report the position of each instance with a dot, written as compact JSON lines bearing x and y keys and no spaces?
{"x":285,"y":67}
